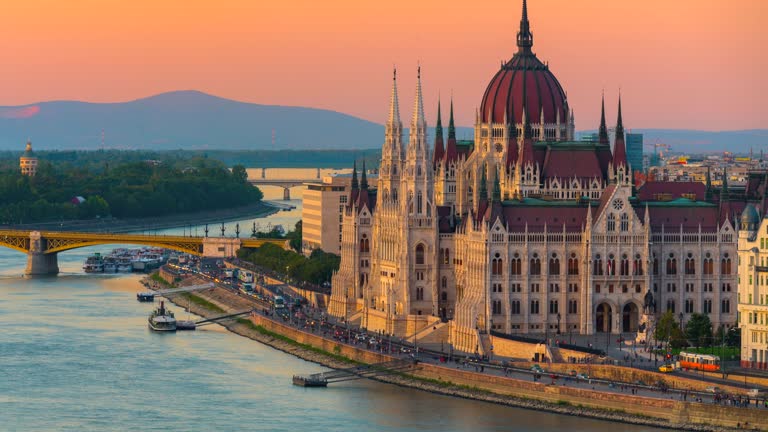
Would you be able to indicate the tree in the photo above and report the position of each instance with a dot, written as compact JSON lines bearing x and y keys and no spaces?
{"x":295,"y":237}
{"x":665,"y":327}
{"x":698,"y":330}
{"x":239,"y":174}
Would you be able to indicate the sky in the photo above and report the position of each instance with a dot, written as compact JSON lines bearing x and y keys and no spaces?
{"x":685,"y":64}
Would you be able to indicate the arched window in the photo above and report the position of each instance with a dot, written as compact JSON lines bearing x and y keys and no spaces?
{"x":598,"y":266}
{"x":725,"y":265}
{"x":535,"y":265}
{"x":447,"y":256}
{"x":419,"y":203}
{"x":637,"y":267}
{"x":624,"y":222}
{"x":554,"y":265}
{"x":624,"y":265}
{"x":690,"y":264}
{"x":364,"y":244}
{"x":610,"y":267}
{"x":444,"y":282}
{"x":671,"y":265}
{"x":420,"y":254}
{"x":573,"y":265}
{"x":419,"y":293}
{"x":611,"y":222}
{"x":517,"y":265}
{"x":444,"y":296}
{"x":394,"y":195}
{"x":497,"y":265}
{"x":655,"y":265}
{"x":709,"y":267}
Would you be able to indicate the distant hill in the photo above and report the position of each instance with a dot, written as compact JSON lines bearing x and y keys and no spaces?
{"x":195,"y":120}
{"x":183,"y":119}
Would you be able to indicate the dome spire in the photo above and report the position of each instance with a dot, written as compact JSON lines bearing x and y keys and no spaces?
{"x":524,"y":36}
{"x":603,"y":134}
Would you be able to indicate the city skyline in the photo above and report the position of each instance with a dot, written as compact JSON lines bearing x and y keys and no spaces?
{"x":340,"y":56}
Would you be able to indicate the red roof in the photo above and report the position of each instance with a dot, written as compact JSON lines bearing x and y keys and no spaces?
{"x":517,"y":216}
{"x":566,"y":164}
{"x":524,"y":81}
{"x":652,"y":190}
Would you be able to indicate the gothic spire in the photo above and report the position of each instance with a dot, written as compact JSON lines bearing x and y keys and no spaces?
{"x":354,"y":176}
{"x":363,"y":179}
{"x":724,"y":195}
{"x":524,"y":36}
{"x":603,"y":132}
{"x":708,"y":193}
{"x":496,"y":189}
{"x":418,"y":103}
{"x":438,"y":154}
{"x":394,"y":106}
{"x":619,"y":122}
{"x":451,"y":126}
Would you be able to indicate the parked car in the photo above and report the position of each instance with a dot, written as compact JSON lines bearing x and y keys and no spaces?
{"x":666,"y":368}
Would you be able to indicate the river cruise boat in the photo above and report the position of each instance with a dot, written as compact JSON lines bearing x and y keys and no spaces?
{"x":162,"y":319}
{"x":94,"y":264}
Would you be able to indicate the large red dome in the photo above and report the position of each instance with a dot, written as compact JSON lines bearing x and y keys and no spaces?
{"x":526,"y":82}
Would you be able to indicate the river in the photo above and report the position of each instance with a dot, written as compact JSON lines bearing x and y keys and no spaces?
{"x":76,"y":355}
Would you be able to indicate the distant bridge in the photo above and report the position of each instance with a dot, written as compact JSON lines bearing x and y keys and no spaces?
{"x":286,"y":184}
{"x":42,"y":247}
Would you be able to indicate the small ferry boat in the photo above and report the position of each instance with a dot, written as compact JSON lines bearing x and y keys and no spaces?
{"x":145,"y":296}
{"x":162,"y":319}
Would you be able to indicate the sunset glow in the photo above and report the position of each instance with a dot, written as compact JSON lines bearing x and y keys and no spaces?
{"x":697,"y":64}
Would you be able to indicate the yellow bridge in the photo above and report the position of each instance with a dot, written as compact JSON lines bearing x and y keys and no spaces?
{"x":41,"y":247}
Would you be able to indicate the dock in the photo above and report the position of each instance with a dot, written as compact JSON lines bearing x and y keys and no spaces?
{"x":358,"y":372}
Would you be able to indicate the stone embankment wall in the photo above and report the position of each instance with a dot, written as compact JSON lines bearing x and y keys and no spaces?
{"x":677,"y":413}
{"x":458,"y":382}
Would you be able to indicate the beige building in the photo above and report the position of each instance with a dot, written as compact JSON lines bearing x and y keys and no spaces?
{"x":753,"y":289}
{"x":524,"y":231}
{"x":323,"y":207}
{"x":28,"y":161}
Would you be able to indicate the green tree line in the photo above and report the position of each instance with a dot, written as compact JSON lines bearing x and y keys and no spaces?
{"x":316,"y":269}
{"x":146,"y":188}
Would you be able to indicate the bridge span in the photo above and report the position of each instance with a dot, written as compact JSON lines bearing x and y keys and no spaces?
{"x":286,"y":184}
{"x":42,"y":247}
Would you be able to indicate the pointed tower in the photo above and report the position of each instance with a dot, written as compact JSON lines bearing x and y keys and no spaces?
{"x":438,"y":154}
{"x":524,"y":36}
{"x":708,"y":193}
{"x":621,"y":168}
{"x":354,"y":189}
{"x":417,"y":175}
{"x":603,"y":131}
{"x":363,"y":179}
{"x":392,"y":150}
{"x":451,"y":153}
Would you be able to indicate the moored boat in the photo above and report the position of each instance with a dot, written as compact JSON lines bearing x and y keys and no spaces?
{"x":162,"y":319}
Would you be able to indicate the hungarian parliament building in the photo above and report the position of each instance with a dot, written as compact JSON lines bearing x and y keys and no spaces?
{"x":527,"y":231}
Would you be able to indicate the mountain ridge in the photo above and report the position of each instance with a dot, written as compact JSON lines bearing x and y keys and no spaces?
{"x":191,"y":119}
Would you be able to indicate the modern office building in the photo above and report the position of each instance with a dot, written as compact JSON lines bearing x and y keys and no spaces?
{"x":635,"y":151}
{"x":322,"y":207}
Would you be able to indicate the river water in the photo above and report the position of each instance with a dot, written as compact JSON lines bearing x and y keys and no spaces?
{"x":76,"y":355}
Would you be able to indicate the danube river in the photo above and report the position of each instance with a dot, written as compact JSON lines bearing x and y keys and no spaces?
{"x":76,"y":354}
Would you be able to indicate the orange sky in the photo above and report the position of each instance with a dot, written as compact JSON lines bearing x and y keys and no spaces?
{"x":680,"y":63}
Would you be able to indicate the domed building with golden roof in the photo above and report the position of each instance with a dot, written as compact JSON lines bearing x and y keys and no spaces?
{"x":526,"y":231}
{"x":28,"y":161}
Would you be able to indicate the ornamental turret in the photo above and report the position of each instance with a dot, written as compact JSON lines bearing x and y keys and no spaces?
{"x":28,"y":161}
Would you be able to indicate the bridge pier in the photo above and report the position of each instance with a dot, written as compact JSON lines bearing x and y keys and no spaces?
{"x":286,"y":194}
{"x":263,"y":173}
{"x":40,"y":263}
